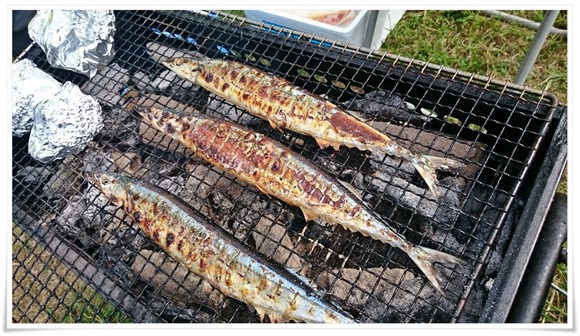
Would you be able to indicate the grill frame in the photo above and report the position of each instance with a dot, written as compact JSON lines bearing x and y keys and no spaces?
{"x":428,"y":69}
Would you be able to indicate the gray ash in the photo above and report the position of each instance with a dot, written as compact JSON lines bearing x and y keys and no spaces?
{"x":386,"y":106}
{"x":376,"y":282}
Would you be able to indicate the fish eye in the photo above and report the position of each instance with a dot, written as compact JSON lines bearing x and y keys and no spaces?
{"x":104,"y":180}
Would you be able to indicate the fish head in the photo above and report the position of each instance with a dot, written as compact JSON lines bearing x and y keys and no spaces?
{"x":187,"y":68}
{"x":113,"y":186}
{"x":152,"y":115}
{"x":166,"y":120}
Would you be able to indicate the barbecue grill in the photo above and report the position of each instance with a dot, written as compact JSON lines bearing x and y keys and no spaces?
{"x":512,"y":141}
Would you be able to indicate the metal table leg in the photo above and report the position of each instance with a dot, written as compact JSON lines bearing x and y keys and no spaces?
{"x":536,"y":46}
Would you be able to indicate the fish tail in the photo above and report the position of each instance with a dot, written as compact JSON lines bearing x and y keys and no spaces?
{"x":443,"y":163}
{"x":425,"y":257}
{"x":425,"y":168}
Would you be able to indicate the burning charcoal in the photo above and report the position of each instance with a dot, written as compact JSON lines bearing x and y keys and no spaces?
{"x":354,"y":178}
{"x":165,"y":102}
{"x":218,"y":108}
{"x":67,"y":220}
{"x":142,"y":82}
{"x":169,"y":84}
{"x":329,"y":165}
{"x":157,"y":163}
{"x":402,"y":301}
{"x":471,"y":154}
{"x":160,"y":52}
{"x":107,"y":84}
{"x":473,"y":306}
{"x":243,"y":220}
{"x":177,"y":312}
{"x":444,"y":238}
{"x":33,"y":175}
{"x":172,"y":185}
{"x":218,"y":207}
{"x":385,"y":106}
{"x":443,"y":210}
{"x":83,"y":212}
{"x":166,"y":274}
{"x":174,"y":280}
{"x":273,"y":241}
{"x":197,"y":174}
{"x":119,"y":223}
{"x":64,"y":124}
{"x":220,"y":203}
{"x":94,"y":216}
{"x":66,"y":180}
{"x":392,"y":166}
{"x":96,"y":159}
{"x":119,"y":125}
{"x":169,"y":78}
{"x":30,"y":87}
{"x":127,"y":163}
{"x":353,"y":286}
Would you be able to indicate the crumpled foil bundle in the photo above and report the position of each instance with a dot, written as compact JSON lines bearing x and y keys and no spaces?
{"x":76,"y":40}
{"x":30,"y":87}
{"x":64,"y":124}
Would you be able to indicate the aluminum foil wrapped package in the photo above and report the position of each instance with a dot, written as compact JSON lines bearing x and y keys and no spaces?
{"x":30,"y":87}
{"x":76,"y":40}
{"x":64,"y":124}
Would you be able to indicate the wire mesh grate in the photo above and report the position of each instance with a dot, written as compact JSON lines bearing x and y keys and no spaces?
{"x":54,"y":204}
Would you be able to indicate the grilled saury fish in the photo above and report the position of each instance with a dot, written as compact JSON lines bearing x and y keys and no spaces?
{"x":212,"y":253}
{"x":277,"y":171}
{"x":286,"y":106}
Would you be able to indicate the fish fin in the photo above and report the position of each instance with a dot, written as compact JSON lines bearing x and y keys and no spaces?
{"x":309,"y":215}
{"x":427,"y":172}
{"x":325,"y":144}
{"x":263,"y":191}
{"x":261,"y":313}
{"x":443,"y":163}
{"x":274,"y":125}
{"x":425,"y":257}
{"x":276,"y":318}
{"x":322,"y":143}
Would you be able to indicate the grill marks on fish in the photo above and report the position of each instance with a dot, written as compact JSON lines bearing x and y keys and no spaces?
{"x":286,"y":106}
{"x":212,"y":253}
{"x":251,"y":157}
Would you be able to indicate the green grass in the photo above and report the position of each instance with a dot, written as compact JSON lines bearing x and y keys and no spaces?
{"x":538,"y":15}
{"x":44,"y":290}
{"x":473,"y":42}
{"x":555,"y":308}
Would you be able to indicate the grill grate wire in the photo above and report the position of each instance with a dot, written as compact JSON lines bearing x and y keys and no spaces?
{"x":372,"y":281}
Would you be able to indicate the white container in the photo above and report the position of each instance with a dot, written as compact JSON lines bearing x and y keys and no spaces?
{"x":354,"y":33}
{"x":385,"y":22}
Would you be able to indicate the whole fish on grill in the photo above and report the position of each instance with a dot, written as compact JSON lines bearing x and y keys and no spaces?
{"x":212,"y":253}
{"x":276,"y":170}
{"x":286,"y":106}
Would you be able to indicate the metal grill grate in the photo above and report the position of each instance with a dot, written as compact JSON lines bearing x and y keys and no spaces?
{"x":376,"y":283}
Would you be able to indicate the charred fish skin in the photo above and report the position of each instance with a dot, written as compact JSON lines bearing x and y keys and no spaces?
{"x":277,"y":171}
{"x":286,"y":106}
{"x":212,"y":253}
